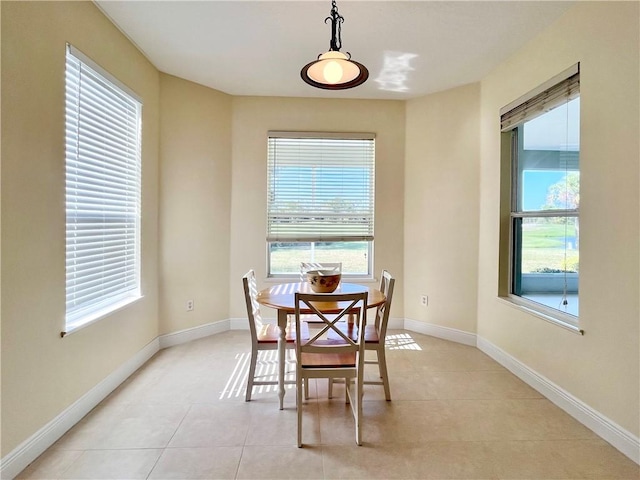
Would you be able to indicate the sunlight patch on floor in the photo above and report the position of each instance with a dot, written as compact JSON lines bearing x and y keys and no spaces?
{"x":266,"y":370}
{"x":401,"y":341}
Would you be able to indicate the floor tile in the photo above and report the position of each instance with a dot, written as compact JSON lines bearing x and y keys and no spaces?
{"x":210,"y":425}
{"x":281,"y":462}
{"x":596,"y":459}
{"x":113,"y":464}
{"x":450,"y":460}
{"x":52,"y":464}
{"x":368,"y":461}
{"x":91,"y":431}
{"x":195,"y":463}
{"x":144,"y":426}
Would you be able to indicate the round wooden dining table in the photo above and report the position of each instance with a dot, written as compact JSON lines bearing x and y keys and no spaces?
{"x":282,"y":298}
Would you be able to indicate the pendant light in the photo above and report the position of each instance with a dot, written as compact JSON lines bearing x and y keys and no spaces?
{"x":334,"y":70}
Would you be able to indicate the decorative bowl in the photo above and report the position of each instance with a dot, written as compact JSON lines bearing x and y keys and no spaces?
{"x":323,"y":281}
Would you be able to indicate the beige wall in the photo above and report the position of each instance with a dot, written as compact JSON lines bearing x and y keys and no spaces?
{"x":441,"y":208}
{"x":42,"y":374}
{"x":195,"y":196}
{"x":253,"y":117}
{"x":600,"y":368}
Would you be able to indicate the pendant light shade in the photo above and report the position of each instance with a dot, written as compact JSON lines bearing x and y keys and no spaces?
{"x":334,"y":70}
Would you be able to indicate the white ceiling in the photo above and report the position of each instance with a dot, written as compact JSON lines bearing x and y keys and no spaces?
{"x":258,"y":47}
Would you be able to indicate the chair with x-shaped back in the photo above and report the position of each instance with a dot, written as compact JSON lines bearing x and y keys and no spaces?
{"x":264,"y":336}
{"x":340,"y":357}
{"x":375,"y":336}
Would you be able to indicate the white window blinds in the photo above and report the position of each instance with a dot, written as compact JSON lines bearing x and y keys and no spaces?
{"x":103,"y":125}
{"x":320,"y":187}
{"x":558,"y":90}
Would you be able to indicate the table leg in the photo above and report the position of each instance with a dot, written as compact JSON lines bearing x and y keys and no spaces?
{"x":282,"y":348}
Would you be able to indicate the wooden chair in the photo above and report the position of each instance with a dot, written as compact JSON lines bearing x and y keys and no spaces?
{"x":341,"y":357}
{"x":264,"y":336}
{"x":375,"y":335}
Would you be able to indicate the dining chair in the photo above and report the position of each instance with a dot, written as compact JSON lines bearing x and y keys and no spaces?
{"x":339,"y":357}
{"x":375,"y":336}
{"x":264,"y":336}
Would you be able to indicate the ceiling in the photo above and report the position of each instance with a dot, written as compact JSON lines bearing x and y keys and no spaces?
{"x":258,"y":47}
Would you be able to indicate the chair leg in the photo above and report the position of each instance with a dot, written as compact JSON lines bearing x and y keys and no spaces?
{"x":306,"y":389}
{"x":252,"y":372}
{"x":358,"y":409}
{"x":299,"y":404}
{"x":355,"y":397}
{"x":347,"y":386}
{"x":382,"y":366}
{"x":330,"y":388}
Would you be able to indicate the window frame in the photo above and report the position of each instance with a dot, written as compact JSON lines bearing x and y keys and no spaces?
{"x":103,"y":192}
{"x":330,"y":238}
{"x":544,"y":98}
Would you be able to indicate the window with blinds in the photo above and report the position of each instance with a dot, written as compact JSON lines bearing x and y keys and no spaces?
{"x":103,"y":183}
{"x":541,"y":136}
{"x":320,"y":193}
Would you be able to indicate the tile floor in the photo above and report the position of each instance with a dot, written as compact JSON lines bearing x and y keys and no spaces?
{"x":455,"y":414}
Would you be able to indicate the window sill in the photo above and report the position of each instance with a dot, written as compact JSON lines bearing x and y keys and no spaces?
{"x":557,"y":318}
{"x":98,"y":315}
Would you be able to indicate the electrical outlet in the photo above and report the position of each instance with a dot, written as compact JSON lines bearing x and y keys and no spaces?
{"x":189,"y":305}
{"x":424,"y":300}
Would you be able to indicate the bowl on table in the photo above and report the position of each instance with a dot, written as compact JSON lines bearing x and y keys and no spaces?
{"x":323,"y":281}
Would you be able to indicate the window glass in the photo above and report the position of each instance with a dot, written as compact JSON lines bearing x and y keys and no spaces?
{"x":285,"y":258}
{"x":545,"y":222}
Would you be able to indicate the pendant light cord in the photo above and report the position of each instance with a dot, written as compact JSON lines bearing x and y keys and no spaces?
{"x":565,"y":301}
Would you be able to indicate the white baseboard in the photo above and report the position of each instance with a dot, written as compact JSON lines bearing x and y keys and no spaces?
{"x":34,"y":446}
{"x":446,"y":333}
{"x":617,"y":436}
{"x":189,"y":334}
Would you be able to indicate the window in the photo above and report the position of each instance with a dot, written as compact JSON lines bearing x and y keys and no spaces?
{"x":320,"y":205}
{"x":543,"y":136}
{"x":102,"y":129}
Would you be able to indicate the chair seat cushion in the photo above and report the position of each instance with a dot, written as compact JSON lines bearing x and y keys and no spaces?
{"x":269,"y":333}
